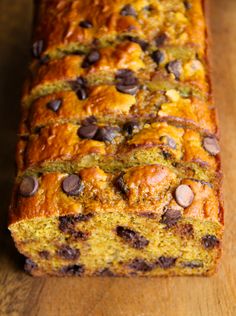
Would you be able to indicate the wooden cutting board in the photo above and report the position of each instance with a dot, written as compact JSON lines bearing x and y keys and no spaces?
{"x":186,"y":296}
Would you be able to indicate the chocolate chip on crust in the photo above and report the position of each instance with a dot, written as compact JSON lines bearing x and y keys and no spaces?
{"x":130,"y":126}
{"x":72,"y":185}
{"x":171,"y":217}
{"x":210,"y":241}
{"x":184,"y":195}
{"x":211,"y":145}
{"x":76,"y":270}
{"x":131,"y":89}
{"x":142,"y":265}
{"x":37,"y":48}
{"x":128,"y":10}
{"x":158,"y":56}
{"x":105,"y":134}
{"x":91,"y":58}
{"x":89,"y":120}
{"x":82,"y":93}
{"x":131,"y":237}
{"x":87,"y":131}
{"x":54,"y":105}
{"x":28,"y":186}
{"x":68,"y":253}
{"x":175,"y":67}
{"x":30,"y":265}
{"x":86,"y":24}
{"x":143,"y":44}
{"x":166,"y":262}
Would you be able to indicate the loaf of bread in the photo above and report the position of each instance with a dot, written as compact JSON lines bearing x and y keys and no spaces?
{"x":118,"y":167}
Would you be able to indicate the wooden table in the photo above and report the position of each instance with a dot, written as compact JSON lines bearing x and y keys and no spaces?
{"x":27,"y":296}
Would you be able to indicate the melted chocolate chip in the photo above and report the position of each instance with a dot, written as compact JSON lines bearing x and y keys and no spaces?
{"x":72,"y":185}
{"x":130,"y":126}
{"x":141,"y":265}
{"x":37,"y":48}
{"x":187,"y":5}
{"x":128,"y":10}
{"x":67,"y":222}
{"x":104,"y":273}
{"x":210,"y":241}
{"x":171,"y":217}
{"x":86,"y":24}
{"x":76,"y":270}
{"x":143,"y":44}
{"x":160,"y":39}
{"x":68,"y":253}
{"x":166,"y":262}
{"x":211,"y":145}
{"x":120,"y":184}
{"x":185,"y":230}
{"x":131,"y":237}
{"x":88,"y":131}
{"x":184,"y":195}
{"x":44,"y":254}
{"x":128,"y":89}
{"x":54,"y":105}
{"x":91,"y":58}
{"x":175,"y":67}
{"x":192,"y":264}
{"x":30,"y":265}
{"x":105,"y":134}
{"x":29,"y":186}
{"x":158,"y":56}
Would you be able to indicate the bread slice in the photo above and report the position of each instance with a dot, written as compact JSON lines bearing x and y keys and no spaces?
{"x":146,"y":220}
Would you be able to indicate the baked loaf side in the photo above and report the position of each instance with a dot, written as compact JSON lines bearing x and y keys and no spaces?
{"x":118,"y":157}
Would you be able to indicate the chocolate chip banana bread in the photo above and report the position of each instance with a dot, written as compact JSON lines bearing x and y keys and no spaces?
{"x":118,"y":166}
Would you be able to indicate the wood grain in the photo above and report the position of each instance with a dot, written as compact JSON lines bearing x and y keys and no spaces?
{"x":26,"y":296}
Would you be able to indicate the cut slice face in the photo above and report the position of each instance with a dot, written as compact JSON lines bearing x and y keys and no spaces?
{"x":64,"y":27}
{"x":113,"y":148}
{"x":150,"y":228}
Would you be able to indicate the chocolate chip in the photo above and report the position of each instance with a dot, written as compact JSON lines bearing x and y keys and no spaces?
{"x":29,"y":186}
{"x":130,"y":126}
{"x":124,"y":73}
{"x":171,"y":217}
{"x":89,"y":120}
{"x":68,"y":253}
{"x":192,"y":264}
{"x":210,"y":241}
{"x":185,"y":230}
{"x":187,"y":5}
{"x":106,"y":272}
{"x":141,"y":265}
{"x":168,"y":141}
{"x":30,"y":265}
{"x":72,"y":185}
{"x":67,"y":222}
{"x":120,"y":184}
{"x":78,"y":234}
{"x":160,"y":39}
{"x":175,"y":67}
{"x":211,"y":145}
{"x":83,"y":217}
{"x":54,"y":105}
{"x":128,"y":89}
{"x":128,"y":10}
{"x":184,"y":195}
{"x":158,"y":56}
{"x":88,"y":131}
{"x":166,"y":262}
{"x":82,"y":93}
{"x":105,"y":134}
{"x":91,"y":58}
{"x":37,"y":48}
{"x":143,"y":44}
{"x":44,"y":254}
{"x":133,"y":238}
{"x":76,"y":270}
{"x":86,"y":24}
{"x":81,"y":81}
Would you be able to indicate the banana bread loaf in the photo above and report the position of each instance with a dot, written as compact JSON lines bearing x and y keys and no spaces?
{"x":118,"y":166}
